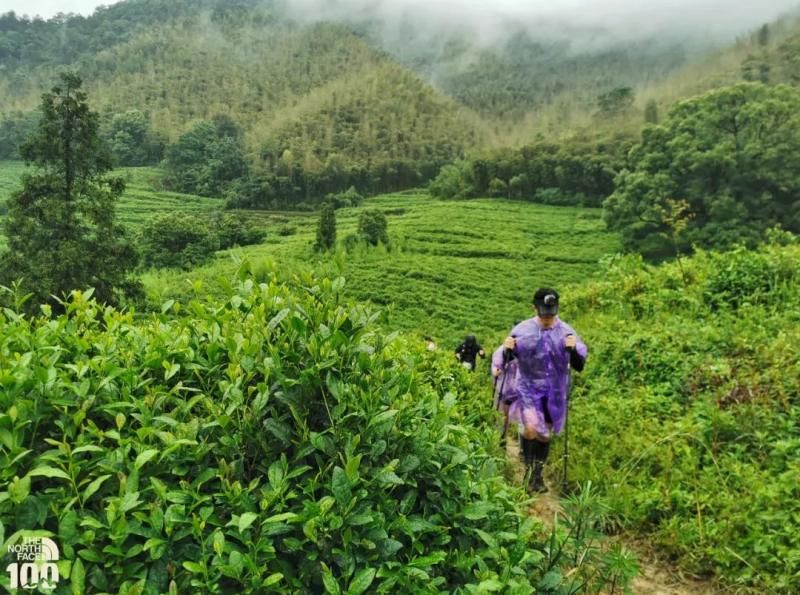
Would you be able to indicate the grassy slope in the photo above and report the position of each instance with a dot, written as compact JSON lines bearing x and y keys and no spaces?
{"x":454,"y":266}
{"x":687,"y":417}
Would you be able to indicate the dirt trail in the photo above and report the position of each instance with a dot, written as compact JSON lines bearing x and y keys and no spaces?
{"x":655,"y":577}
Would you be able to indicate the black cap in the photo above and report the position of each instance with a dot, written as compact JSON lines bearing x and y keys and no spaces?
{"x":546,"y":301}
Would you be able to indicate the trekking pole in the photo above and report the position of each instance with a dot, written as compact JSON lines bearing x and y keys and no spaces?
{"x":566,"y":427}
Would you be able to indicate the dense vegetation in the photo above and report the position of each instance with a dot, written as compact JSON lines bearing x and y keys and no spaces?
{"x":184,"y":240}
{"x":319,"y":109}
{"x":523,"y":74}
{"x":714,"y":174}
{"x":267,"y":434}
{"x":271,"y":442}
{"x":442,"y":276}
{"x":578,"y":174}
{"x":324,"y":107}
{"x":688,"y":417}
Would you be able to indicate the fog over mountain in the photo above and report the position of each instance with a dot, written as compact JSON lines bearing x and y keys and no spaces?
{"x":488,"y":22}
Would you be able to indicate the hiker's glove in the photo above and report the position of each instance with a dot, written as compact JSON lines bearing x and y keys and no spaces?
{"x":510,"y":343}
{"x":570,"y":342}
{"x":496,"y":372}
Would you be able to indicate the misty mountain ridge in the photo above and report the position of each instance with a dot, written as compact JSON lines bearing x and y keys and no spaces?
{"x":285,"y":71}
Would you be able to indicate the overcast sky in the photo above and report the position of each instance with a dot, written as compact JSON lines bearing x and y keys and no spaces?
{"x":486,"y":16}
{"x":48,"y":8}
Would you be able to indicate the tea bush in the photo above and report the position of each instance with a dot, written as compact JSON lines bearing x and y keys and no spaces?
{"x":271,"y":442}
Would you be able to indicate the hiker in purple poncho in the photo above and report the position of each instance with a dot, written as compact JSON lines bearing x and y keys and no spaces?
{"x":504,"y":368}
{"x":545,"y":348}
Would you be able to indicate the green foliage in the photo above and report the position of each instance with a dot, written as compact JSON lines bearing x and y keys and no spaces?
{"x":177,"y":240}
{"x":373,"y":227}
{"x":235,"y":230}
{"x":555,"y":196}
{"x":14,"y":129}
{"x":686,"y":416}
{"x":207,"y":159}
{"x":744,"y":278}
{"x":651,"y":112}
{"x":272,"y":442}
{"x":131,"y":141}
{"x":515,"y":248}
{"x":326,"y":229}
{"x":349,"y":198}
{"x":61,"y":227}
{"x":724,"y":155}
{"x":508,"y":81}
{"x":186,"y":240}
{"x":615,"y":102}
{"x":453,"y":181}
{"x":581,"y":173}
{"x":498,"y":188}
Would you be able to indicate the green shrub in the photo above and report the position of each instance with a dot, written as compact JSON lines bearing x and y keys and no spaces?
{"x":556,"y":196}
{"x":349,"y":198}
{"x":744,"y":277}
{"x":177,"y":240}
{"x":372,"y":227}
{"x":686,"y":416}
{"x":287,"y":230}
{"x":326,"y":228}
{"x":233,"y":230}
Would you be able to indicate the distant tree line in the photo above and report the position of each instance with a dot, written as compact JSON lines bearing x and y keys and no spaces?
{"x":67,"y":38}
{"x":562,"y":174}
{"x":127,"y":135}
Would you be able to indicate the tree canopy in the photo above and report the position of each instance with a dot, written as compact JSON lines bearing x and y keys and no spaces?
{"x":720,"y":168}
{"x":61,"y":227}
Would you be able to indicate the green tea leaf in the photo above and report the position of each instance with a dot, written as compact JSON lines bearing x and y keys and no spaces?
{"x":331,"y":586}
{"x":77,"y":577}
{"x":51,"y":472}
{"x":193,"y":567}
{"x":340,"y":486}
{"x":361,"y":582}
{"x":478,"y":510}
{"x":246,"y":520}
{"x":272,"y":579}
{"x":88,"y":448}
{"x":144,"y":457}
{"x":282,"y":517}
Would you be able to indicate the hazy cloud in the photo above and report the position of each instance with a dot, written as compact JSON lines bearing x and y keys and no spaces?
{"x":49,"y":8}
{"x":488,"y":20}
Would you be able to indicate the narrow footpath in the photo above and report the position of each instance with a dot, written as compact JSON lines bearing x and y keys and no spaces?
{"x":655,"y":577}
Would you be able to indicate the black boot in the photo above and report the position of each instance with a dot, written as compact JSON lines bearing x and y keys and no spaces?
{"x":539,"y":453}
{"x":527,"y":455}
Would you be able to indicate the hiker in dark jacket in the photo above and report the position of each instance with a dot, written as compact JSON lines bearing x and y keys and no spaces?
{"x":468,"y":352}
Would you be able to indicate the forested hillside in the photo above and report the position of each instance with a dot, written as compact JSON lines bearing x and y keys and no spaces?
{"x":253,"y":60}
{"x":318,"y":97}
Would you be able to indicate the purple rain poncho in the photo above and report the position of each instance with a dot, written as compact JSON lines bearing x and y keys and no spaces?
{"x":505,"y":382}
{"x":542,"y":375}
